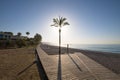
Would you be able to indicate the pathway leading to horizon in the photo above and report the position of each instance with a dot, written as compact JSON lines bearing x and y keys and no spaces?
{"x":75,"y":67}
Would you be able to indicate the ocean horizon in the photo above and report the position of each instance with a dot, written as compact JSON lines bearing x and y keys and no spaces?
{"x":113,"y":48}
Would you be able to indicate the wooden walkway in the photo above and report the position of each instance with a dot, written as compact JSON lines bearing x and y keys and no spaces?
{"x":74,"y":67}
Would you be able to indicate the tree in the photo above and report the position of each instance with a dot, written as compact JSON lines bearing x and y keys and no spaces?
{"x":19,"y":34}
{"x":38,"y":38}
{"x":27,"y":33}
{"x":21,"y":42}
{"x":59,"y":22}
{"x":9,"y":33}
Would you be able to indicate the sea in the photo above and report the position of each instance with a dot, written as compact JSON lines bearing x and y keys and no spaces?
{"x":113,"y":48}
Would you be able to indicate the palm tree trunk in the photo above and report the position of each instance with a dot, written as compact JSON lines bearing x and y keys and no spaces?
{"x":59,"y":41}
{"x":59,"y":76}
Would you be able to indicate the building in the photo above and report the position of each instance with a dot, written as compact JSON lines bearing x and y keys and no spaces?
{"x":15,"y":37}
{"x":10,"y":36}
{"x":6,"y":35}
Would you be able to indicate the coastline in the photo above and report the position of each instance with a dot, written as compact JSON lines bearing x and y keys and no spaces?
{"x":107,"y":59}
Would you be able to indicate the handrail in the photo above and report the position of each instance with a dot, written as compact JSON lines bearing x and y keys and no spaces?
{"x":40,"y":67}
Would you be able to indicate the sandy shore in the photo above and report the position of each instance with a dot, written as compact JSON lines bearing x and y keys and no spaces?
{"x":13,"y":63}
{"x":109,"y":60}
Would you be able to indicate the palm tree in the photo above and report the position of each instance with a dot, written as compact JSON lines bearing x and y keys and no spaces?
{"x":38,"y":37}
{"x":19,"y":34}
{"x":59,"y":22}
{"x":27,"y":33}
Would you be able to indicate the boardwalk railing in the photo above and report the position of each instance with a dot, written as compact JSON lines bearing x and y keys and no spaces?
{"x":42,"y":73}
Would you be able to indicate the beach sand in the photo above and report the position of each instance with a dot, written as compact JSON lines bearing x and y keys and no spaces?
{"x":108,"y":60}
{"x":13,"y":63}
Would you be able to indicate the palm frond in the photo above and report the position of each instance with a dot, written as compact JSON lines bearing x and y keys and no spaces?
{"x":55,"y":21}
{"x":59,"y":22}
{"x":63,"y":20}
{"x":55,"y":25}
{"x":66,"y":23}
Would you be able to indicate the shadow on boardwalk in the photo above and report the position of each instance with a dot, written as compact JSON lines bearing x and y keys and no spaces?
{"x":59,"y":76}
{"x":75,"y":62}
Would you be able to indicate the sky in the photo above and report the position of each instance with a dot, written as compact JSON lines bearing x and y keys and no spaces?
{"x":91,"y":21}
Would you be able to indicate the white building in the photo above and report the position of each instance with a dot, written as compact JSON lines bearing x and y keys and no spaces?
{"x":18,"y":37}
{"x":5,"y":35}
{"x":9,"y":35}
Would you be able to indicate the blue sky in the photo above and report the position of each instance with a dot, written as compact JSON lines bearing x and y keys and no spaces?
{"x":91,"y":21}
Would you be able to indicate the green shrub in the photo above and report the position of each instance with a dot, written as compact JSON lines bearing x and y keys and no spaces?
{"x":7,"y":43}
{"x":21,"y":43}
